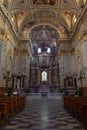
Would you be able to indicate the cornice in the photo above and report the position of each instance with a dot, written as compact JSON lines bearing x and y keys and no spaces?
{"x":5,"y":16}
{"x":64,"y":40}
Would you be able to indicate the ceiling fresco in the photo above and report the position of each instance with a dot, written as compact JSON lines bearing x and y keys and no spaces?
{"x":44,"y":2}
{"x":63,"y":14}
{"x":45,"y":40}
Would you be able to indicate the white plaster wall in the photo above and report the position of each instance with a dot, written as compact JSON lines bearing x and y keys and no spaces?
{"x":63,"y":68}
{"x":8,"y":42}
{"x":80,"y":44}
{"x":84,"y":50}
{"x":24,"y":66}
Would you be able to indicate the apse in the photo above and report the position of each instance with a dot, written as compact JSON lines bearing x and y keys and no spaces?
{"x":44,"y":45}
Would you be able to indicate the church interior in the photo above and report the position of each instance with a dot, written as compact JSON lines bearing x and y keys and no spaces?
{"x":43,"y":64}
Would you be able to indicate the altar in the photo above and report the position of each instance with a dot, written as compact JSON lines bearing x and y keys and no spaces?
{"x":44,"y":90}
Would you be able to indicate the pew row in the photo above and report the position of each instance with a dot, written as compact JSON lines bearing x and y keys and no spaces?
{"x":77,"y":107}
{"x":9,"y":106}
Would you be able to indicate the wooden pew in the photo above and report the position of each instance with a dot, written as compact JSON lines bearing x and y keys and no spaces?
{"x":83,"y":114}
{"x":3,"y":112}
{"x":75,"y":105}
{"x":2,"y":91}
{"x":10,"y":105}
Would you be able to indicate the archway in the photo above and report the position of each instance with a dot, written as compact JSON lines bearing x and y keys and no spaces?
{"x":44,"y":44}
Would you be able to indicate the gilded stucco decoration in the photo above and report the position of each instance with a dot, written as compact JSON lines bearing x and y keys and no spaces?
{"x":63,"y":14}
{"x":44,"y":2}
{"x":45,"y":13}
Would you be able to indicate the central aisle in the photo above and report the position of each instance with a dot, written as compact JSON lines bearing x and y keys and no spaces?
{"x":43,"y":114}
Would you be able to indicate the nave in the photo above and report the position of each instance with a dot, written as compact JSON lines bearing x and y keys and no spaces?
{"x":43,"y":114}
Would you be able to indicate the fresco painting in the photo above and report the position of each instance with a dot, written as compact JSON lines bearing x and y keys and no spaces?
{"x":44,"y":2}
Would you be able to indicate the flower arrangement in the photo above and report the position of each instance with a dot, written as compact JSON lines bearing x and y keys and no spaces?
{"x":77,"y":91}
{"x":9,"y":91}
{"x":63,"y":91}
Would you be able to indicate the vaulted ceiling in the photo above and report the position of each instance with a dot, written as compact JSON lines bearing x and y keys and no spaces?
{"x":44,"y":24}
{"x":60,"y":14}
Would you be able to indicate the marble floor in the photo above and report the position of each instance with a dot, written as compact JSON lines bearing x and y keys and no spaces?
{"x":43,"y":114}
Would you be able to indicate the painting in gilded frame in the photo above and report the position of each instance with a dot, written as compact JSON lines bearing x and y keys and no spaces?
{"x":44,"y":2}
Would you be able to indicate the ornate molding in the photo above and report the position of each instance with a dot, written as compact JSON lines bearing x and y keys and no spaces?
{"x":6,"y":18}
{"x":16,"y":51}
{"x":24,"y":51}
{"x":79,"y":23}
{"x":85,"y":32}
{"x":72,"y":51}
{"x":63,"y":52}
{"x":83,"y":36}
{"x":3,"y":35}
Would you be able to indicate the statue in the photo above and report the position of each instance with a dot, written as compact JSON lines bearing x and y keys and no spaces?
{"x":44,"y":76}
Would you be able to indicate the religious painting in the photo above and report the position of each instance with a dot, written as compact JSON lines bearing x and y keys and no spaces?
{"x":44,"y":13}
{"x":44,"y":2}
{"x":69,"y":81}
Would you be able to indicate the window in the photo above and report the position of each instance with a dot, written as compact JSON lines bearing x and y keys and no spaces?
{"x":39,"y":50}
{"x":44,"y":76}
{"x":48,"y":50}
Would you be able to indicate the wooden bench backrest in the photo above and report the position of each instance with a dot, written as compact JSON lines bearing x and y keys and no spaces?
{"x":2,"y":91}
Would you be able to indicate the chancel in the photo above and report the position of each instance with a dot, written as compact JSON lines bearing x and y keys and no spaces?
{"x":43,"y":64}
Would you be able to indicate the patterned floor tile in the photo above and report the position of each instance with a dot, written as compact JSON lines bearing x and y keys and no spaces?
{"x":43,"y":114}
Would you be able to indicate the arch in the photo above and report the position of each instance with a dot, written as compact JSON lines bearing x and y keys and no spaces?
{"x":44,"y":24}
{"x":51,"y":38}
